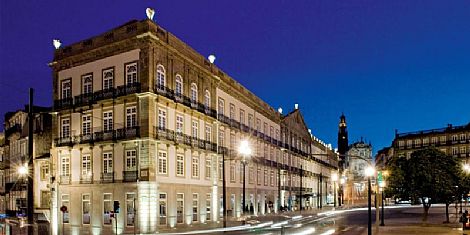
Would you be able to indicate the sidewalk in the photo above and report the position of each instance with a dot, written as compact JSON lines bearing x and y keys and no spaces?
{"x":415,"y":225}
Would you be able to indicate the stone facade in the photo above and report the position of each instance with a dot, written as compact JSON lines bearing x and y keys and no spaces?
{"x":143,"y":119}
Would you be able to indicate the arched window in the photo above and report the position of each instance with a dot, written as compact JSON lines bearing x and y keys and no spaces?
{"x":207,"y":99}
{"x":179,"y":86}
{"x":193,"y":93}
{"x":160,"y":82}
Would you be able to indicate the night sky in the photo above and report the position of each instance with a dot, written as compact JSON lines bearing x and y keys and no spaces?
{"x":386,"y":64}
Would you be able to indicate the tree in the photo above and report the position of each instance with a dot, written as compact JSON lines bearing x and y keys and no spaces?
{"x":428,"y":176}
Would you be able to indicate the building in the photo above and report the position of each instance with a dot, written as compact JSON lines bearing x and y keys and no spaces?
{"x":358,"y":158}
{"x":343,"y":146}
{"x":382,"y":158}
{"x":142,"y":119}
{"x":452,"y":140}
{"x":15,"y":154}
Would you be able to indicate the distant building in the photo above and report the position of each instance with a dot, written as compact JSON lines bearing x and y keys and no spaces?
{"x":15,"y":154}
{"x":358,"y":158}
{"x":451,"y":140}
{"x":343,"y":144}
{"x":383,"y":157}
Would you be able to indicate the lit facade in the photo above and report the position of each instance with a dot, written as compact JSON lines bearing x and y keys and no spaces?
{"x":358,"y":158}
{"x":451,"y":140}
{"x":143,"y":119}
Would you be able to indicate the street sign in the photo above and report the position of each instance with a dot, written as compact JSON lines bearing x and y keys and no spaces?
{"x":380,"y":177}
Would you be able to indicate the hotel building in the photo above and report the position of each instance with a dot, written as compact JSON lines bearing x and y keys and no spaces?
{"x":143,"y":119}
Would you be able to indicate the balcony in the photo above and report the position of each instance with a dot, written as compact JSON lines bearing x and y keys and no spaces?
{"x":128,"y":132}
{"x":128,"y":89}
{"x":65,"y":179}
{"x":84,"y":99}
{"x":86,"y":179}
{"x":180,"y":138}
{"x":129,"y":176}
{"x":86,"y":138}
{"x":105,"y":135}
{"x":64,"y":141}
{"x":107,"y":177}
{"x":65,"y":103}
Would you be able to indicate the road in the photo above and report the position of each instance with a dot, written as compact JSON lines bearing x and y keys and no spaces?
{"x":347,"y":222}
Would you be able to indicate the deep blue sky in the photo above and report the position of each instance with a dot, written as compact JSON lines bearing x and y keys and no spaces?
{"x":386,"y":64}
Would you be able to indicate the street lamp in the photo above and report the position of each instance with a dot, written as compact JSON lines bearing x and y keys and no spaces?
{"x":382,"y":187}
{"x":334,"y":177}
{"x":23,"y":170}
{"x":369,"y":171}
{"x":245,"y":150}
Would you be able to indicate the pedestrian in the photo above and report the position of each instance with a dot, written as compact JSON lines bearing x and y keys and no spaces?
{"x":464,"y":219}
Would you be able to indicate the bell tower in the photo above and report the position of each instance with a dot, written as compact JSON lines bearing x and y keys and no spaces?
{"x":342,"y":141}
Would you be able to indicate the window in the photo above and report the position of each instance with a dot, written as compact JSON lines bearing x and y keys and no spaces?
{"x":195,"y":167}
{"x":221,"y":106}
{"x":455,"y":150}
{"x":193,"y":93}
{"x":108,"y":79}
{"x":161,"y":119}
{"x":65,"y":165}
{"x":207,"y":100}
{"x":107,"y":208}
{"x":417,"y":142}
{"x":108,"y":121}
{"x":433,"y":139}
{"x":265,"y":129}
{"x":251,"y":175}
{"x":195,"y":206}
{"x":179,"y":86}
{"x":221,"y":138}
{"x":401,"y":143}
{"x":44,"y":171}
{"x":232,"y":141}
{"x":271,"y":178}
{"x":194,"y":129}
{"x":160,"y":78}
{"x":66,"y":89}
{"x":242,"y":116}
{"x":208,"y":133}
{"x":45,"y":198}
{"x":250,"y":120}
{"x":131,"y":160}
{"x":409,"y":143}
{"x":179,"y":165}
{"x":107,"y":163}
{"x":179,"y":124}
{"x":162,"y":204}
{"x":208,"y":206}
{"x":131,"y":116}
{"x":86,"y":166}
{"x":179,"y":208}
{"x":266,"y":175}
{"x":442,"y":139}
{"x":232,"y":111}
{"x":131,"y":73}
{"x":86,"y":209}
{"x":462,"y":150}
{"x":130,"y":209}
{"x":462,"y":137}
{"x":65,"y":128}
{"x":86,"y":125}
{"x":220,"y":168}
{"x":258,"y":175}
{"x":240,"y":169}
{"x":66,"y":202}
{"x":258,"y":125}
{"x":425,"y":141}
{"x":87,"y":81}
{"x":208,"y":168}
{"x":232,"y":172}
{"x":162,"y":162}
{"x":455,"y":138}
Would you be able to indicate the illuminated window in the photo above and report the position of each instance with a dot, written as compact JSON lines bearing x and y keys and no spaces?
{"x":65,"y":127}
{"x":66,"y":87}
{"x":162,"y":162}
{"x":160,"y":78}
{"x":179,"y":86}
{"x":180,"y":165}
{"x":131,"y":116}
{"x":107,"y":208}
{"x":131,"y":73}
{"x":86,"y":208}
{"x":195,"y":206}
{"x":193,"y":93}
{"x":66,"y":203}
{"x":161,"y":119}
{"x":130,"y":209}
{"x":195,"y":167}
{"x":179,"y":208}
{"x":108,"y":79}
{"x":87,"y":81}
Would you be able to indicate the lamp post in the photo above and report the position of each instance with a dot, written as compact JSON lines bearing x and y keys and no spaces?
{"x":244,"y":150}
{"x":224,"y":189}
{"x":382,"y":187}
{"x":342,"y":181}
{"x":334,"y":178}
{"x":369,"y":171}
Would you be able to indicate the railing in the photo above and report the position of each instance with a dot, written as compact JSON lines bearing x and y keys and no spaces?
{"x":65,"y":103}
{"x":107,"y":177}
{"x":127,"y":132}
{"x":87,"y":138}
{"x":129,"y":176}
{"x":64,"y":141}
{"x":86,"y":179}
{"x":180,"y":138}
{"x":91,"y":98}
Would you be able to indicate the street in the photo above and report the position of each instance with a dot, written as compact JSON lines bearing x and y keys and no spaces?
{"x":350,"y":222}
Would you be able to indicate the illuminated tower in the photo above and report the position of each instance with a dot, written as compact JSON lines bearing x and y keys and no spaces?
{"x":342,"y":141}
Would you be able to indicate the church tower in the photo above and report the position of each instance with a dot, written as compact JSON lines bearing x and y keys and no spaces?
{"x":342,"y":141}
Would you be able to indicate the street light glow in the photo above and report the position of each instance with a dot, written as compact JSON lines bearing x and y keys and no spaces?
{"x":466,"y":167}
{"x":369,"y":171}
{"x":23,"y":170}
{"x":334,"y":177}
{"x":244,"y":148}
